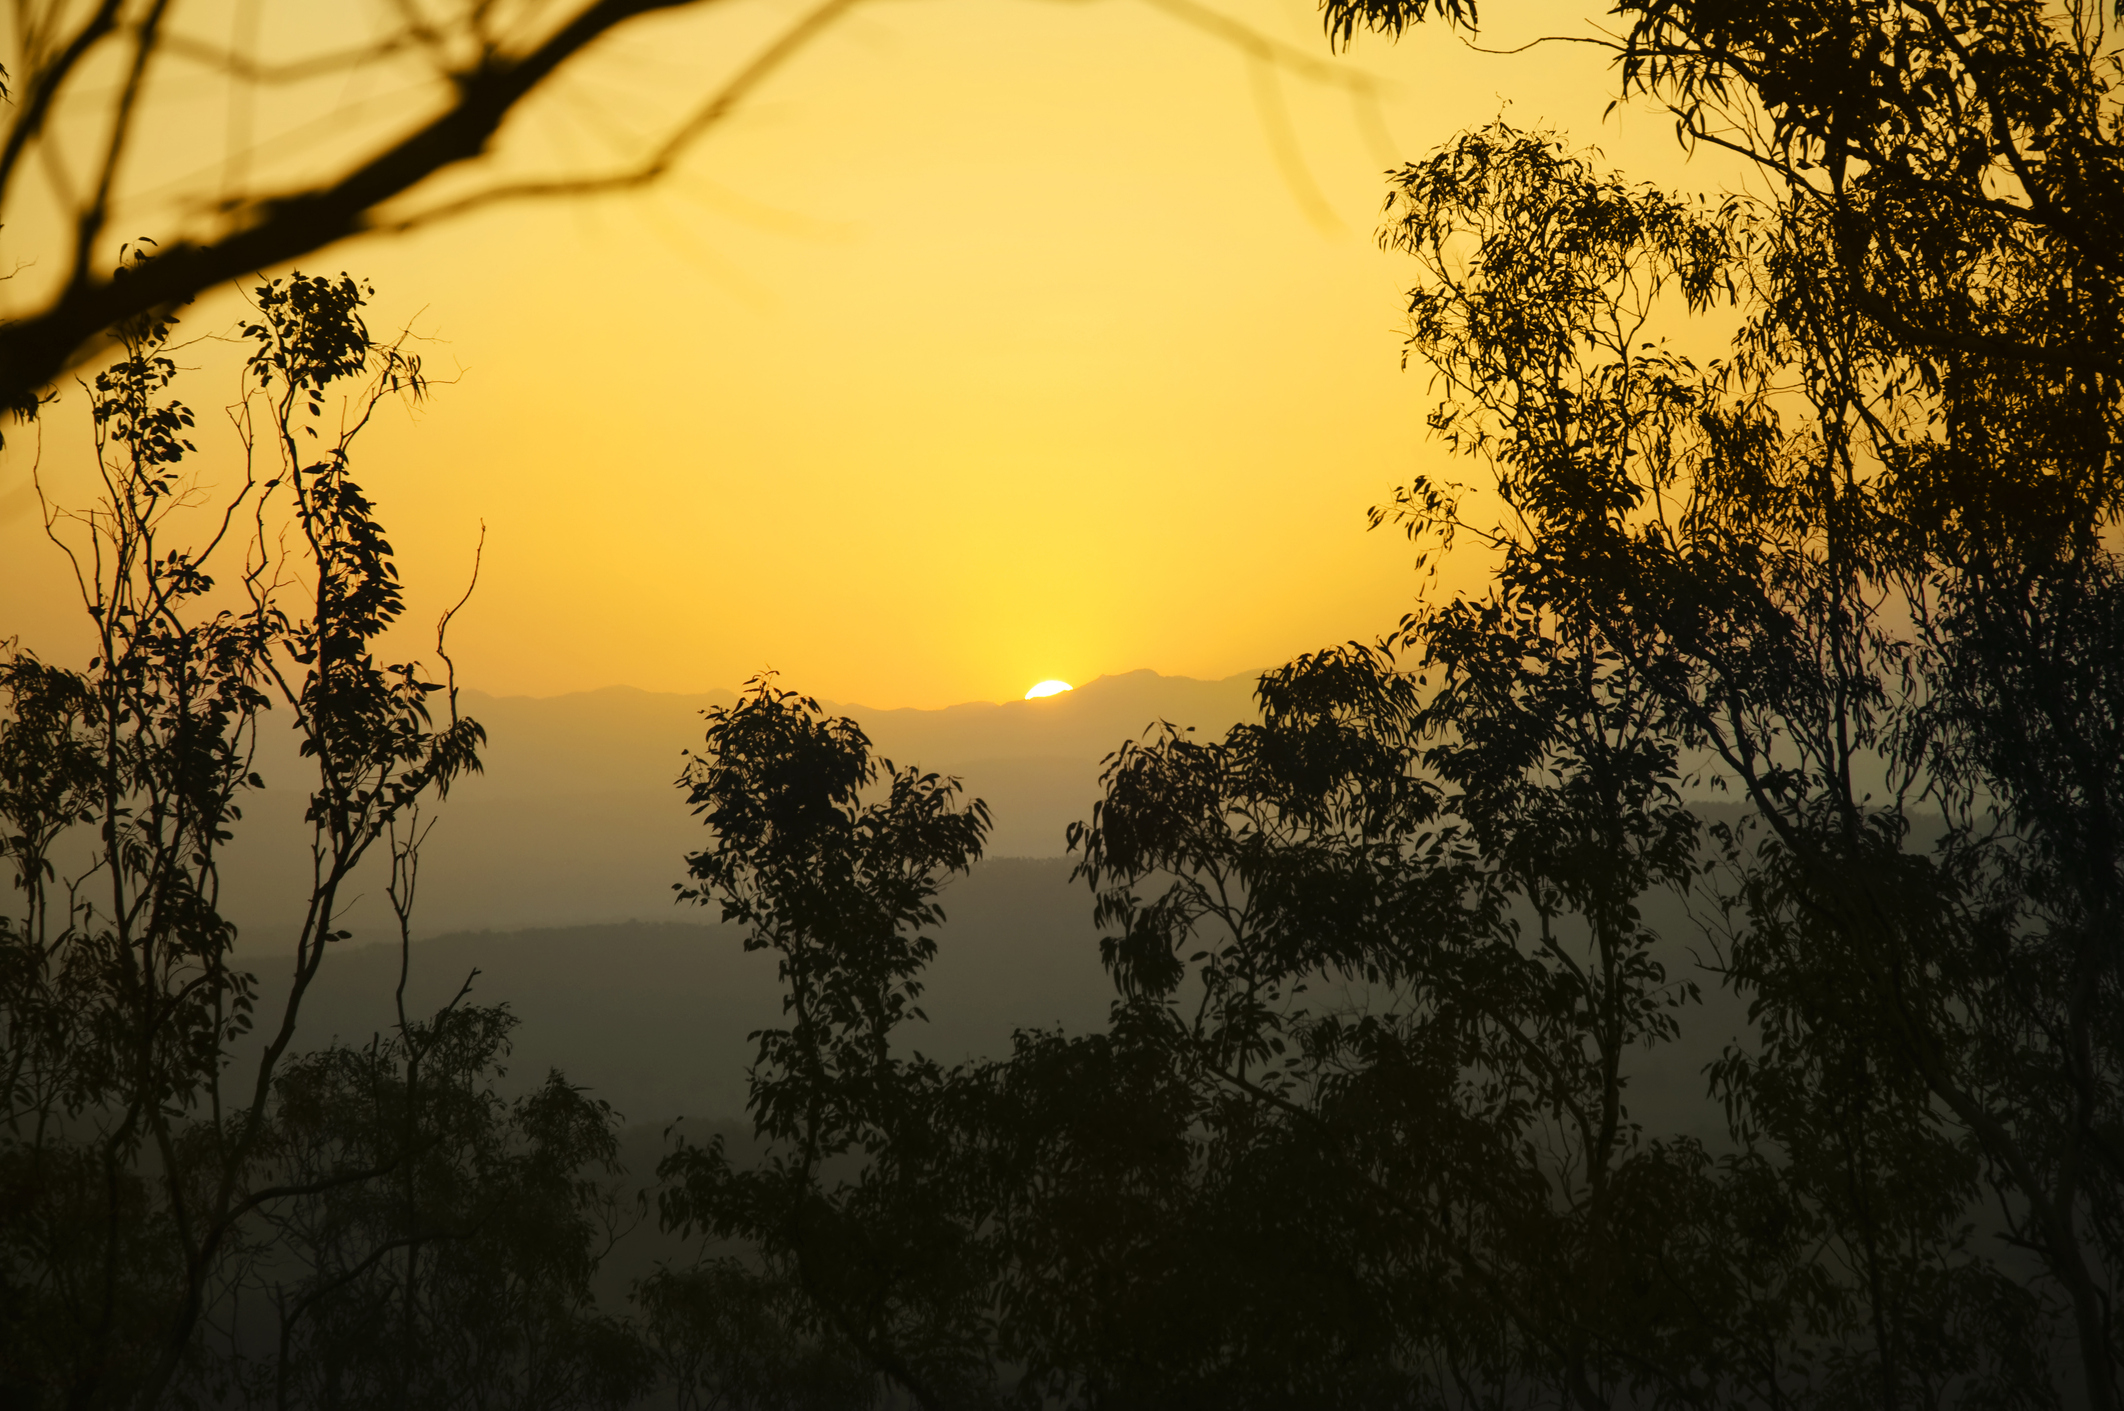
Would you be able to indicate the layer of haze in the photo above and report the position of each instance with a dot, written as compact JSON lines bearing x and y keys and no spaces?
{"x":993,"y":341}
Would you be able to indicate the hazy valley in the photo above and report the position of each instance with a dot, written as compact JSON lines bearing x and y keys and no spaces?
{"x":575,"y":819}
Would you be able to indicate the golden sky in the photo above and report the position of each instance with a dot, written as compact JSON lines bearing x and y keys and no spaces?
{"x":992,"y":342}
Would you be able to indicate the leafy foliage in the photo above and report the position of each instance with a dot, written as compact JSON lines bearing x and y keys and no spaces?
{"x":132,"y":1141}
{"x":1360,"y":1130}
{"x":833,"y":860}
{"x":438,"y":1243}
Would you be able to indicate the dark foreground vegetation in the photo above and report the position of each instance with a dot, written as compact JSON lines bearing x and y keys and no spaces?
{"x":1359,"y":1128}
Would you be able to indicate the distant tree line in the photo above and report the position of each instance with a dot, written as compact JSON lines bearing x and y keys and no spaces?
{"x":1359,"y":1130}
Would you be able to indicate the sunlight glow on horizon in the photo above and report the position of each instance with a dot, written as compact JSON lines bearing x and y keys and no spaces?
{"x":925,"y":372}
{"x":1047,"y":688}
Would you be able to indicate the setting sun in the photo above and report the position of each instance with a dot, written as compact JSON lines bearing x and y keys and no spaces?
{"x":1047,"y":688}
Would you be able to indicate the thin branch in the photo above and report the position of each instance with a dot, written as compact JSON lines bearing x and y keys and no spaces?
{"x":667,"y":154}
{"x":44,"y":85}
{"x":442,"y":627}
{"x":250,"y":70}
{"x":1612,"y":45}
{"x":1254,"y":43}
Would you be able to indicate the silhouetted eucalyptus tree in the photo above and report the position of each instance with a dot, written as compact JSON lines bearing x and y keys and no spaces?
{"x":1867,"y":560}
{"x":1919,"y":573}
{"x":1401,"y":918}
{"x":832,"y":859}
{"x":133,"y":1142}
{"x":1810,"y":604}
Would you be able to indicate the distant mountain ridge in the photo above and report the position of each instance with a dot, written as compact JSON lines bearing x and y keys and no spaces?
{"x":576,"y":820}
{"x":621,"y":735}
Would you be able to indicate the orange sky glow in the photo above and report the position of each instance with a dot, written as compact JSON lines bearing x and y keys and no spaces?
{"x":996,"y":340}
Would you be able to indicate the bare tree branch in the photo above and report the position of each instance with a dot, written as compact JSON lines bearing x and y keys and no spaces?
{"x":718,"y":107}
{"x":485,"y":78}
{"x":266,"y":231}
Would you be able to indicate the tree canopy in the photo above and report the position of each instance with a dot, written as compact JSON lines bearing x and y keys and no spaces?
{"x":1815,"y":636}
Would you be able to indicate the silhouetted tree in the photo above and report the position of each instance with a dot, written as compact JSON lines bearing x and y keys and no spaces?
{"x":1807,"y":607}
{"x":1890,"y":609}
{"x":1919,"y":573}
{"x":132,"y":1141}
{"x":832,"y":859}
{"x":1399,"y":926}
{"x":460,"y":1273}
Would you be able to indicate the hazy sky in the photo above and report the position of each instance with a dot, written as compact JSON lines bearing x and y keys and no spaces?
{"x":991,"y":343}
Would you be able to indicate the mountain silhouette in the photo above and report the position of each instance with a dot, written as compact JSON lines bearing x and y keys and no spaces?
{"x":575,"y":820}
